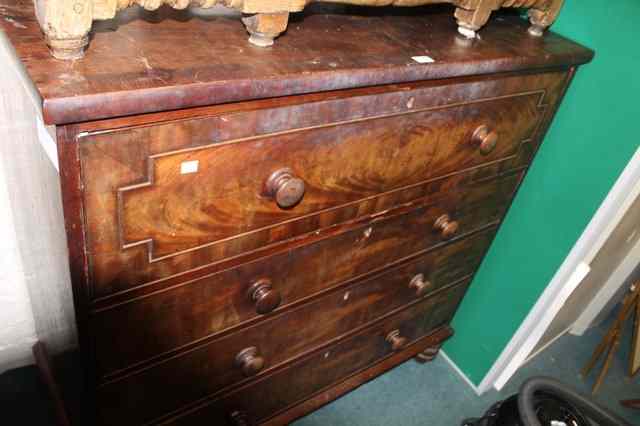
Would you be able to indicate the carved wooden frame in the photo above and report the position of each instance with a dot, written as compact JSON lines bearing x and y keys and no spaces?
{"x":67,"y":23}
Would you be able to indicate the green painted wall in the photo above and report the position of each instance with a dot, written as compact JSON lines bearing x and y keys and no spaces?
{"x":594,"y":135}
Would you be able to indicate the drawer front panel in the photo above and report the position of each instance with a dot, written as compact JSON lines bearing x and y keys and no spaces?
{"x":214,"y":366}
{"x":234,"y":190}
{"x":475,"y":199}
{"x":173,"y":197}
{"x":158,"y":324}
{"x":129,"y":402}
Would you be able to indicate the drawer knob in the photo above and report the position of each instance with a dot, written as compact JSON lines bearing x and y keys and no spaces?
{"x":285,"y":188}
{"x":447,"y":227}
{"x":420,"y":285}
{"x":238,"y":418}
{"x":264,"y":296}
{"x":249,"y":361}
{"x":396,"y":340}
{"x":485,"y":139}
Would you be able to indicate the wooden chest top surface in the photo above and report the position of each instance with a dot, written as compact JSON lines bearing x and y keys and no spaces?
{"x":145,"y":62}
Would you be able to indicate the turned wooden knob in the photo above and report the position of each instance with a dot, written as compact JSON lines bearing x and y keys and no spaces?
{"x":485,"y":139}
{"x":238,"y":418}
{"x":249,"y":361}
{"x":264,"y":296}
{"x":396,"y":340}
{"x":420,"y":285}
{"x":285,"y":188}
{"x":447,"y":227}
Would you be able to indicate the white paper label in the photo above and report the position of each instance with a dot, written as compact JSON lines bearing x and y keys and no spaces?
{"x":188,"y":167}
{"x":423,"y":59}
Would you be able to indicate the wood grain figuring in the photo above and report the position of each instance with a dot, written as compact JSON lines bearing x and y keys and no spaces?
{"x":339,"y":164}
{"x":400,"y":243}
{"x":202,"y":60}
{"x":475,"y":199}
{"x":185,"y":221}
{"x":207,"y":370}
{"x":202,"y":309}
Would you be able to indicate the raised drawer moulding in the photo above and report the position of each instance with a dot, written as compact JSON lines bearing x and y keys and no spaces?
{"x":66,"y":23}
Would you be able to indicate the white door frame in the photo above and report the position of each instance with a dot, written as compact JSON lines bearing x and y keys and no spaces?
{"x":572,"y":271}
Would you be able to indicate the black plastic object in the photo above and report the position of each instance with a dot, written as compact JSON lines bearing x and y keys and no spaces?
{"x":544,"y":385}
{"x":546,"y":402}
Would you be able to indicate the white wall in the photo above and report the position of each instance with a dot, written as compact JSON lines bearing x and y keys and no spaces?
{"x":35,"y":294}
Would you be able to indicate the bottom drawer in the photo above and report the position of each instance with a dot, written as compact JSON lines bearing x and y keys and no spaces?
{"x":335,"y":369}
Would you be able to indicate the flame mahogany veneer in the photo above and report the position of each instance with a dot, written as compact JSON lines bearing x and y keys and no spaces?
{"x":252,"y":236}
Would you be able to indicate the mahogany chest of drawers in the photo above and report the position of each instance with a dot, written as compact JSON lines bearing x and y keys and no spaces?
{"x":254,"y":232}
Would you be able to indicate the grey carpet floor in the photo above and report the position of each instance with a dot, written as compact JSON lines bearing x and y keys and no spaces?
{"x":434,"y":395}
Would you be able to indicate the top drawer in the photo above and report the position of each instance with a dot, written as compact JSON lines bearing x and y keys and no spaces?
{"x":264,"y":175}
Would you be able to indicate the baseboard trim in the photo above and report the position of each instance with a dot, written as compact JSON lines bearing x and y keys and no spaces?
{"x":460,"y":373}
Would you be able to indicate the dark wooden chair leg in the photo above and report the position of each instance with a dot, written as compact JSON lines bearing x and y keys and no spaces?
{"x":43,"y":362}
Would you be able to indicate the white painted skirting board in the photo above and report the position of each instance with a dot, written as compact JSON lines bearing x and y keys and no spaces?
{"x":571,"y":272}
{"x":459,"y":372}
